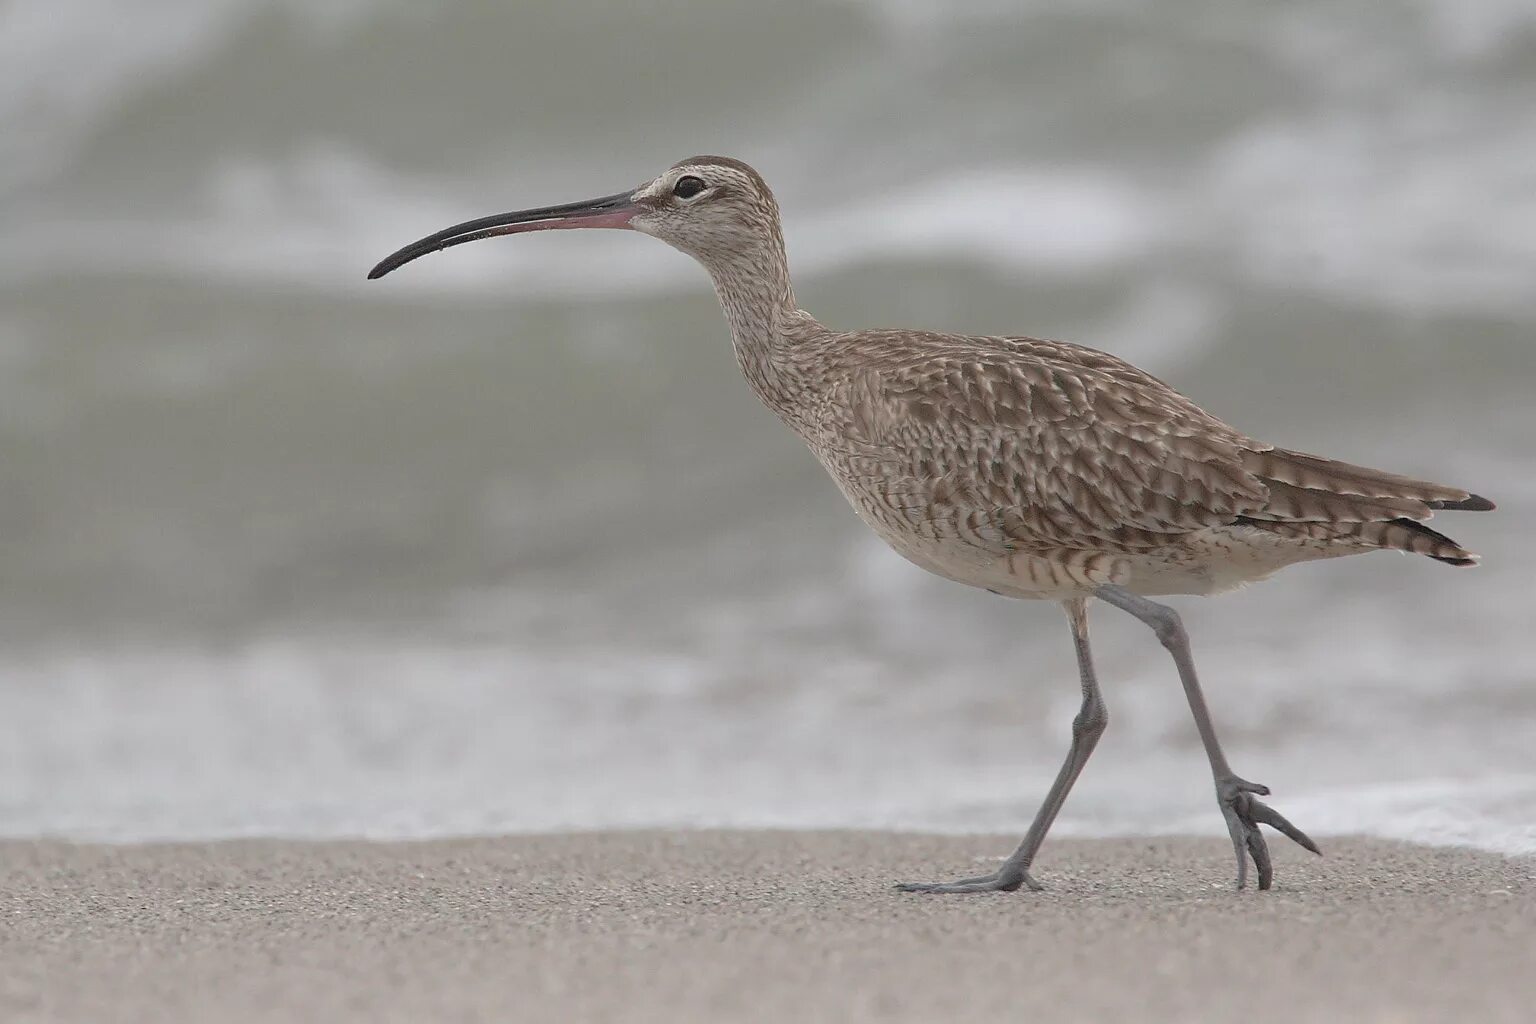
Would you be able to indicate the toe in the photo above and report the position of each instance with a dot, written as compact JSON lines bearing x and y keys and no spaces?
{"x":1257,"y":812}
{"x":1259,"y":850}
{"x":947,"y":887}
{"x":1232,"y":786}
{"x":996,"y":882}
{"x":1237,"y":829}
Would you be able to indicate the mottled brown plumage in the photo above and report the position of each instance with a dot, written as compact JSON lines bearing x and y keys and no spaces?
{"x":1035,"y":469}
{"x":1019,"y":447}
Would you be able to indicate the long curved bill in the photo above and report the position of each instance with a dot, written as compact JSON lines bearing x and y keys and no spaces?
{"x":608,"y":212}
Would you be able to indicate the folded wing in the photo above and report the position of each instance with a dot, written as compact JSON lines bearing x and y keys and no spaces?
{"x":1025,"y":443}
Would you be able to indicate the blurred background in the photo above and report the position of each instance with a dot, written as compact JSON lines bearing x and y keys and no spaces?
{"x":503,"y":543}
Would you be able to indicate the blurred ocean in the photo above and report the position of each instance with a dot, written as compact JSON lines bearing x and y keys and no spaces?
{"x":503,"y":543}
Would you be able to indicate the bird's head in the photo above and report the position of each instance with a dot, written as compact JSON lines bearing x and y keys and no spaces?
{"x":710,"y":207}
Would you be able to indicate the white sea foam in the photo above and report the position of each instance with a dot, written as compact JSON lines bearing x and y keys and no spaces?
{"x":323,"y":737}
{"x":1359,"y":206}
{"x":1292,"y":206}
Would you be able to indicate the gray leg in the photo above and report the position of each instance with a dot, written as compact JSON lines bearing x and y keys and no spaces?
{"x":1237,"y":797}
{"x":1087,"y":727}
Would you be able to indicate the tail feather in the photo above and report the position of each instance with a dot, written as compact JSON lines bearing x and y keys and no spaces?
{"x":1315,"y":473}
{"x":1408,"y":535}
{"x":1317,"y":499}
{"x":1471,"y":503}
{"x":1290,"y":503}
{"x":1414,"y":537}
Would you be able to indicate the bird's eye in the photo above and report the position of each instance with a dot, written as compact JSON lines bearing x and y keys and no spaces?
{"x":688,"y":186}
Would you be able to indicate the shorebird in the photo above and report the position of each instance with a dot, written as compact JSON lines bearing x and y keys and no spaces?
{"x":1033,"y":469}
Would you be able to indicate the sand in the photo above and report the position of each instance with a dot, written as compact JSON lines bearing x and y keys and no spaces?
{"x":756,"y":926}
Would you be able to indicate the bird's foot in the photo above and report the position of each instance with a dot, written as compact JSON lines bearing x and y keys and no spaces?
{"x":1005,"y":879}
{"x":1244,"y":812}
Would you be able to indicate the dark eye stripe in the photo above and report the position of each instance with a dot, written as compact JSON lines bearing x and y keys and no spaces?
{"x":688,"y":186}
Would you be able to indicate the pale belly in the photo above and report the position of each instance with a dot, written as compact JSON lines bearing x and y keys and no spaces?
{"x":1203,"y":562}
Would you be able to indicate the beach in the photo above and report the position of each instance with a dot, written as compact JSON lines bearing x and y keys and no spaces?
{"x":755,"y":926}
{"x":308,"y":578}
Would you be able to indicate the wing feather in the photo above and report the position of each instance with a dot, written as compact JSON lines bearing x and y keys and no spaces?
{"x":1060,"y":445}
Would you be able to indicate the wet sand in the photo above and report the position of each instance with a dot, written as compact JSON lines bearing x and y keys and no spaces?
{"x":756,"y":926}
